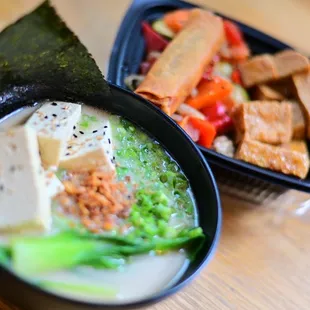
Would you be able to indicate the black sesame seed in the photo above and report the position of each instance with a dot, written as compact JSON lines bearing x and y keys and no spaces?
{"x":69,"y":147}
{"x":57,"y":125}
{"x":95,"y":131}
{"x":112,"y":161}
{"x":74,"y":127}
{"x":90,"y":145}
{"x":67,"y":154}
{"x":81,"y":132}
{"x":74,"y":135}
{"x":54,"y":103}
{"x":113,"y":157}
{"x":105,"y":126}
{"x":46,"y":117}
{"x":104,"y":133}
{"x":109,"y":141}
{"x":55,"y":115}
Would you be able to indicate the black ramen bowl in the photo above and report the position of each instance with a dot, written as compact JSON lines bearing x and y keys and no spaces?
{"x":181,"y":148}
{"x":235,"y":177}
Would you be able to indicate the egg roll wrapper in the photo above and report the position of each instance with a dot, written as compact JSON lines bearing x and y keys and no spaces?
{"x":181,"y":66}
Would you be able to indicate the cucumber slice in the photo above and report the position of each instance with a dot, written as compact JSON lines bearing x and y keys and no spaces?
{"x":239,"y":94}
{"x":160,"y":27}
{"x":223,"y":69}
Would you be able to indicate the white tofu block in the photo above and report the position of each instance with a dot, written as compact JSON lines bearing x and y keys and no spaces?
{"x":54,"y":123}
{"x":53,"y":184}
{"x":91,"y":145}
{"x":24,"y":201}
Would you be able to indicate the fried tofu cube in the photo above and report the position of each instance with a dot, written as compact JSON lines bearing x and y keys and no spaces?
{"x":298,"y":146}
{"x":266,"y":92}
{"x":302,"y":86}
{"x":278,"y":158}
{"x":289,"y":62}
{"x":264,"y":121}
{"x":299,"y":121}
{"x":258,"y":70}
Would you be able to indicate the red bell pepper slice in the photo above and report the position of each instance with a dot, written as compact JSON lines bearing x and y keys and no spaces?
{"x":215,"y":111}
{"x":153,"y":40}
{"x":207,"y":131}
{"x":236,"y":77}
{"x":223,"y":124}
{"x":210,"y":91}
{"x":217,"y":115}
{"x":189,"y":128}
{"x":233,"y":33}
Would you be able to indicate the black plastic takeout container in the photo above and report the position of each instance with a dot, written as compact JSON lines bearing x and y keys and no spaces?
{"x":180,"y":147}
{"x":234,"y":176}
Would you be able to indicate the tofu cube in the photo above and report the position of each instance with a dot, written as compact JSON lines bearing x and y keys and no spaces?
{"x":265,"y":92}
{"x":302,"y":86}
{"x":286,"y":159}
{"x":24,"y":201}
{"x":258,"y":70}
{"x":299,"y":121}
{"x":289,"y":62}
{"x":54,"y":123}
{"x":264,"y":121}
{"x":53,"y":184}
{"x":90,"y":147}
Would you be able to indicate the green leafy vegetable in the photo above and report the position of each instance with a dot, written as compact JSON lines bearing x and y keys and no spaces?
{"x":4,"y":255}
{"x":87,"y":121}
{"x":32,"y":255}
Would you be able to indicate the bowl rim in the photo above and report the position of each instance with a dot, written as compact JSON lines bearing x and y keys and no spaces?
{"x":166,"y":292}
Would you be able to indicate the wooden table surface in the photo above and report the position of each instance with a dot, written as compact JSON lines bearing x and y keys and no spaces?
{"x":263,"y":258}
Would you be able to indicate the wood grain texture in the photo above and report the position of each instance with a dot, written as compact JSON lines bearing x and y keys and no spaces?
{"x":263,"y":257}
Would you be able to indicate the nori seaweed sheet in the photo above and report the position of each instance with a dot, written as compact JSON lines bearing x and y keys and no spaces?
{"x":40,"y":58}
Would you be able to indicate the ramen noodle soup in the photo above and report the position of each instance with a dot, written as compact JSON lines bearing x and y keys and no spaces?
{"x":91,"y":207}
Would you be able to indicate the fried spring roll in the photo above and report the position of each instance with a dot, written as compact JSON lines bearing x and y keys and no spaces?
{"x":182,"y":64}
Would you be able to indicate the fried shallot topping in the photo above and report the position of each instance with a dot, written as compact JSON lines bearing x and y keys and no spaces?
{"x":97,"y":198}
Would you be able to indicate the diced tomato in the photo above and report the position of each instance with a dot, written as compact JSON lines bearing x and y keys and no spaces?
{"x":214,"y":111}
{"x":233,"y":33}
{"x":177,"y":19}
{"x":236,"y":77}
{"x":223,"y":124}
{"x":210,"y":91}
{"x":207,"y":131}
{"x":153,"y":40}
